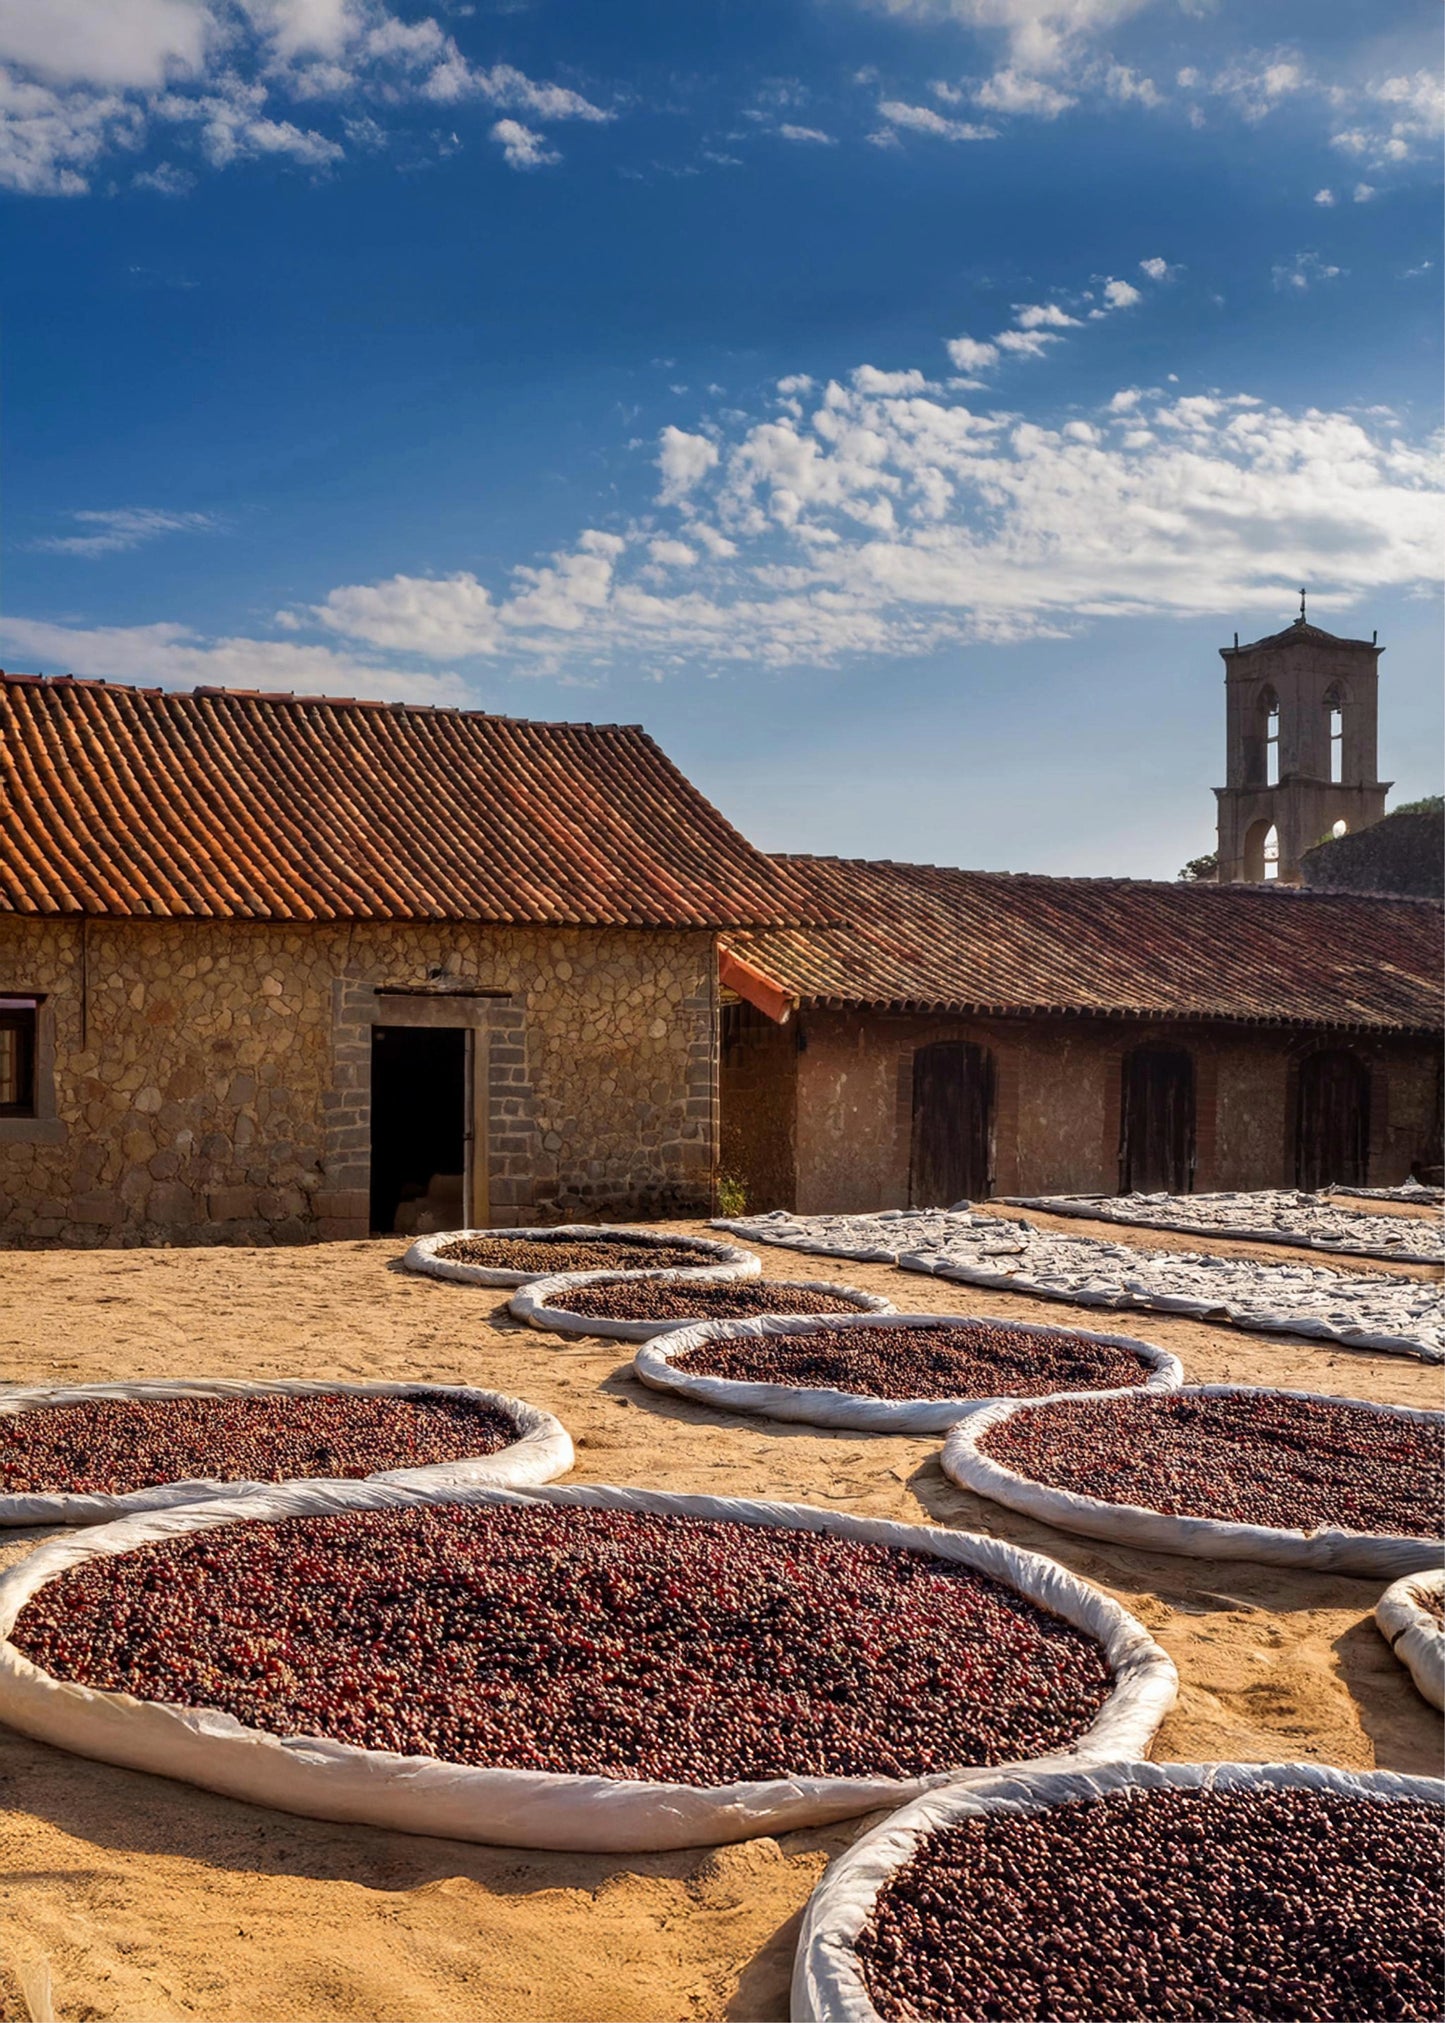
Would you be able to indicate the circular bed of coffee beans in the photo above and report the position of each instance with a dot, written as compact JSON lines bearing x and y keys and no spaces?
{"x":1250,"y":1457}
{"x":599,"y":1642}
{"x":1266,"y":1901}
{"x":628,"y":1298}
{"x":544,"y":1254}
{"x":113,"y":1446}
{"x":971,"y":1359}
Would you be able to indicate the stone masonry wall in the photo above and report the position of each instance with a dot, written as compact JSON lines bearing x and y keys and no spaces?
{"x":211,"y":1080}
{"x":1057,"y":1097}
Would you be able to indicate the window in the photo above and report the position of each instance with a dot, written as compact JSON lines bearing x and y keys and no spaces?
{"x":1271,"y":740}
{"x":1337,"y":735}
{"x":18,"y":1017}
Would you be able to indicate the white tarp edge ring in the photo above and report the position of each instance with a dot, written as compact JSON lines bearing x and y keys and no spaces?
{"x":657,"y":1365}
{"x":543,"y":1303}
{"x":1132,"y":1524}
{"x":1416,"y":1636}
{"x":714,"y":1259}
{"x":526,"y":1808}
{"x":541,"y":1451}
{"x":828,"y":1985}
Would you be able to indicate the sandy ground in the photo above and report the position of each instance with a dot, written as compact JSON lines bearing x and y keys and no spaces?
{"x":151,"y":1901}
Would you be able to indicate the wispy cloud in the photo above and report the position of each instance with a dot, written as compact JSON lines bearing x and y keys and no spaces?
{"x":522,"y":148}
{"x":116,"y":529}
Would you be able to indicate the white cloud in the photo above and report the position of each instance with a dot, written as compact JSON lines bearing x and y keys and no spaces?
{"x":127,"y":44}
{"x":1025,"y":343}
{"x":1304,"y":271}
{"x":1013,"y":91}
{"x":923,"y":119}
{"x":1121,"y":294}
{"x":440,"y":618}
{"x":685,"y":460}
{"x":165,"y":179}
{"x":1043,"y":315}
{"x":1363,"y":193}
{"x":119,"y":528}
{"x":1157,"y":269}
{"x":806,"y":134}
{"x":1325,"y":197}
{"x":522,"y":147}
{"x":971,"y":354}
{"x":889,"y":523}
{"x":81,"y":80}
{"x":174,"y":656}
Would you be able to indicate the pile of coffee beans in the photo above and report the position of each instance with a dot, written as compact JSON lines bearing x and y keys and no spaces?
{"x":544,"y":1254}
{"x":1249,"y":1458}
{"x":970,"y":1359}
{"x":600,"y":1642}
{"x":1300,"y":1906}
{"x":111,"y":1446}
{"x":627,"y":1298}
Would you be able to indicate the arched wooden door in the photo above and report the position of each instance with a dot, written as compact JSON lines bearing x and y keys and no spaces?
{"x":952,"y":1153}
{"x":1156,"y":1122}
{"x":1332,"y":1121}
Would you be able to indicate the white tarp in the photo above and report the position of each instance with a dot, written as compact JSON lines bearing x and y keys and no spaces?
{"x":543,"y":1303}
{"x":1414,"y":1634}
{"x":526,"y":1808}
{"x":541,"y":1452}
{"x":1410,"y":1190}
{"x":828,"y":1986}
{"x":1268,"y":1215}
{"x":657,"y":1365}
{"x":714,"y":1260}
{"x":1401,"y":1316}
{"x":1325,"y":1550}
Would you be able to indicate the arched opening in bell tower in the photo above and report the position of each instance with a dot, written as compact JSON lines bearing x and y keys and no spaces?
{"x":1261,"y":852}
{"x":1334,"y":704}
{"x":1269,"y":704}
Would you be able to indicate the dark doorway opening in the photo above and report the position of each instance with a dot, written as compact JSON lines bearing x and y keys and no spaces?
{"x":1332,"y":1121}
{"x":1156,"y":1122}
{"x":418,"y":1128}
{"x":952,"y":1153}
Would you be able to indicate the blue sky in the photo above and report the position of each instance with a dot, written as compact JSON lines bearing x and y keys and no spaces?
{"x":894,"y":406}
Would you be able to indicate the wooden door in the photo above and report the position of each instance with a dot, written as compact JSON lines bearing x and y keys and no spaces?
{"x":1332,"y":1121}
{"x":952,"y":1153}
{"x":1156,"y":1126}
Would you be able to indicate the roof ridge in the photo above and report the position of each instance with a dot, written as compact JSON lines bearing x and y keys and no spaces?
{"x":1252,"y":888}
{"x":211,"y":691}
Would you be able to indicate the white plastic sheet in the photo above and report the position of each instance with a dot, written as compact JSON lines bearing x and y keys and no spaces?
{"x":714,"y":1260}
{"x":541,"y":1451}
{"x":1268,"y":1215}
{"x":543,"y":1303}
{"x":828,"y":1986}
{"x":657,"y":1365}
{"x":524,"y":1808}
{"x":1360,"y":1310}
{"x":1414,"y":1634}
{"x":1325,"y":1551}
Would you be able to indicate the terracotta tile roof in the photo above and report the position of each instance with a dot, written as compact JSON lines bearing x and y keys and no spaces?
{"x":928,"y":939}
{"x":228,"y":804}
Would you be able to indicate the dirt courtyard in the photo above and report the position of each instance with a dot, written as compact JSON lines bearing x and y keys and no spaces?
{"x":150,"y":1901}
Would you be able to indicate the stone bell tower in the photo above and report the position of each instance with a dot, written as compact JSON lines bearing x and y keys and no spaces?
{"x":1301,"y":710}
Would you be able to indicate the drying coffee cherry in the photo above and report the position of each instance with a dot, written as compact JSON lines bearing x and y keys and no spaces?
{"x":1273,"y":1902}
{"x":112,"y":1446}
{"x":1250,"y":1457}
{"x":971,"y":1359}
{"x":605,"y":1643}
{"x":628,"y":1298}
{"x":545,"y":1254}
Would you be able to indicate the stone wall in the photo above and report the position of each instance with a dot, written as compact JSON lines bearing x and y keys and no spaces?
{"x":211,"y":1081}
{"x":758,"y":1079}
{"x":1056,"y":1115}
{"x":1404,"y":853}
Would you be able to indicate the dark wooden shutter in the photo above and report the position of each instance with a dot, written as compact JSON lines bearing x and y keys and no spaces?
{"x":1156,"y":1127}
{"x":952,"y":1156}
{"x":1332,"y":1121}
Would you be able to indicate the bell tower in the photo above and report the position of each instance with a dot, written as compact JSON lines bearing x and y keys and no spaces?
{"x":1301,"y":718}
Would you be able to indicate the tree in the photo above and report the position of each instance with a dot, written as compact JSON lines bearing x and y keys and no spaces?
{"x":1201,"y":870}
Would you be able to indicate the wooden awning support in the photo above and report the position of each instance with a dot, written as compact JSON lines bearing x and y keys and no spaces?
{"x":749,"y":983}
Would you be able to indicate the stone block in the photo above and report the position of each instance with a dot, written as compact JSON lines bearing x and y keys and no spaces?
{"x":231,"y":1204}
